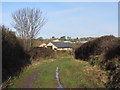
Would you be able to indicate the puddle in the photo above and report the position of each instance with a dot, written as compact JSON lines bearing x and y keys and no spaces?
{"x":57,"y":78}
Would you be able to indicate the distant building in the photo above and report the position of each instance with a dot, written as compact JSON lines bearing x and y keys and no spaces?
{"x":82,"y":41}
{"x":55,"y":40}
{"x":43,"y":45}
{"x":60,"y":45}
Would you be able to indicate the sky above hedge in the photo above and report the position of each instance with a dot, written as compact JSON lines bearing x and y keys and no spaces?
{"x":74,"y":19}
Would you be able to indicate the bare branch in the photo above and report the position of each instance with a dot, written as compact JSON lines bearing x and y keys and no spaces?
{"x":28,"y":22}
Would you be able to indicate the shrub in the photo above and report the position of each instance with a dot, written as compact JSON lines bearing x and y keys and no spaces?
{"x":41,"y":52}
{"x":105,"y":52}
{"x":13,"y":56}
{"x":114,"y":50}
{"x":114,"y":75}
{"x":93,"y":47}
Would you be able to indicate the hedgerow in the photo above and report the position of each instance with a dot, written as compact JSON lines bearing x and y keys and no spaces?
{"x":14,"y":58}
{"x":38,"y":53}
{"x":104,"y":52}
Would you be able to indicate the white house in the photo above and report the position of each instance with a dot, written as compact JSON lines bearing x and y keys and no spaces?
{"x":43,"y":45}
{"x":60,"y":45}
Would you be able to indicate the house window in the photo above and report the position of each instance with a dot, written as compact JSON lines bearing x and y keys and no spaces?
{"x":49,"y":47}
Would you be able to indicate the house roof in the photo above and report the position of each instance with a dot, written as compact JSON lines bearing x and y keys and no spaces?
{"x":63,"y":44}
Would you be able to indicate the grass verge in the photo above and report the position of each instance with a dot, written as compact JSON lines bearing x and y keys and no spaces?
{"x":72,"y":74}
{"x":30,"y":69}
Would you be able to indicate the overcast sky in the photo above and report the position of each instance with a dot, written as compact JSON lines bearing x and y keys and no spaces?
{"x":74,"y":19}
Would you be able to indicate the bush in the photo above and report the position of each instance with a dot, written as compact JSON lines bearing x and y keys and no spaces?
{"x":13,"y":56}
{"x":114,"y":50}
{"x":41,"y":52}
{"x":94,"y":47}
{"x":105,"y":52}
{"x":114,"y":77}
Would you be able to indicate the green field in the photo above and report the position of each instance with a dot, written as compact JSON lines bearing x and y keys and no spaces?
{"x":72,"y":74}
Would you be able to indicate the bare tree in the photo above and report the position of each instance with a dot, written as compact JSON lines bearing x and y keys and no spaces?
{"x":28,"y":22}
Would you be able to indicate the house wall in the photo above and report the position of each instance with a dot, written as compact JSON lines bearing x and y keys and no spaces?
{"x":53,"y":46}
{"x":43,"y":45}
{"x":64,"y":49}
{"x":56,"y":48}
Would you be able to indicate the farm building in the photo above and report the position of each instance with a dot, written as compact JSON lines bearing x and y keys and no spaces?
{"x":82,"y":41}
{"x":60,"y":45}
{"x":43,"y":45}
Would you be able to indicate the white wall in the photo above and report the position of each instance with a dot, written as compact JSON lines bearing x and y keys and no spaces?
{"x":53,"y":46}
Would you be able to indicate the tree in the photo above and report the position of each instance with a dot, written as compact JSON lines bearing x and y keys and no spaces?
{"x":53,"y":37}
{"x":40,"y":38}
{"x":63,"y":38}
{"x":68,"y":37}
{"x":77,"y":38}
{"x":28,"y":22}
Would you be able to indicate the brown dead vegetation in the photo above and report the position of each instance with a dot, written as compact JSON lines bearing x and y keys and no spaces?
{"x":104,"y":52}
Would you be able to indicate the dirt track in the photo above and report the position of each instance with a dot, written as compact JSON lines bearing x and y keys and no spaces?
{"x":28,"y":82}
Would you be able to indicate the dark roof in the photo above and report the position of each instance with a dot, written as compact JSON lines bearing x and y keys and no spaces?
{"x":63,"y":44}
